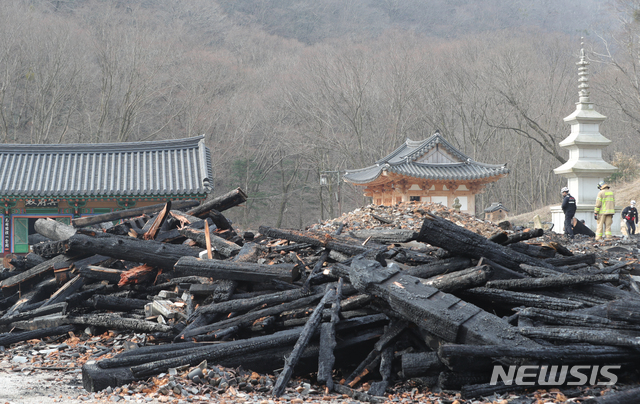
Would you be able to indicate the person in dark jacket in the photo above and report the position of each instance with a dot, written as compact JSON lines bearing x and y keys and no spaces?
{"x":630,"y":215}
{"x":569,"y":209}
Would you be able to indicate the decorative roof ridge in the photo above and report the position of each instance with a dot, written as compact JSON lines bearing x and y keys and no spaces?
{"x":191,"y":142}
{"x":457,"y":164}
{"x":430,"y":143}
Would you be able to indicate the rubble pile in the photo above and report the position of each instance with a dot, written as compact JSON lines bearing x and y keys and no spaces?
{"x":402,"y":303}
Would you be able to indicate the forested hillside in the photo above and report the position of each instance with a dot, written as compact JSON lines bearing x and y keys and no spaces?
{"x":285,"y":90}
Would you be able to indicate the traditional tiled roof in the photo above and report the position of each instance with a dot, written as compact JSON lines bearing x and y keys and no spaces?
{"x":495,"y":206}
{"x":403,"y":161}
{"x":133,"y":169}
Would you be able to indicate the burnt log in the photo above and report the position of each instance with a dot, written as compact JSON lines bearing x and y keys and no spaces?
{"x":7,"y":339}
{"x":245,"y":320}
{"x":116,"y":322}
{"x":326,"y":357}
{"x":151,"y":252}
{"x":522,"y":236}
{"x":442,"y":314}
{"x":550,"y":282}
{"x":420,"y":364}
{"x":96,"y":273}
{"x":58,"y":308}
{"x":116,"y":303}
{"x":521,"y":298}
{"x":569,"y":334}
{"x":239,"y":305}
{"x":440,"y":267}
{"x":238,"y":271}
{"x":589,"y":259}
{"x":65,"y":291}
{"x":11,"y":285}
{"x":54,"y":230}
{"x":316,"y":240}
{"x":385,"y":236}
{"x":301,"y":343}
{"x":459,"y":241}
{"x":221,"y":246}
{"x":624,"y":310}
{"x":155,"y":224}
{"x":221,"y":203}
{"x":372,"y":360}
{"x":123,"y":214}
{"x":566,"y":354}
{"x":466,"y":279}
{"x":575,"y":319}
{"x":533,"y":250}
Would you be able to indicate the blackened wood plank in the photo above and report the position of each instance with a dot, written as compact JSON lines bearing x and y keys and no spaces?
{"x":221,"y":203}
{"x":122,"y":214}
{"x":238,"y":271}
{"x":460,"y":241}
{"x":151,"y":252}
{"x":442,"y":314}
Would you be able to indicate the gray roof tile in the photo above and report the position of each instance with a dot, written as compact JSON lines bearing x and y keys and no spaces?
{"x":152,"y":168}
{"x":403,"y":161}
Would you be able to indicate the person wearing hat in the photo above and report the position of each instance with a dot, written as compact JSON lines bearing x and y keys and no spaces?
{"x":604,"y":210}
{"x":569,"y":209}
{"x":630,"y":215}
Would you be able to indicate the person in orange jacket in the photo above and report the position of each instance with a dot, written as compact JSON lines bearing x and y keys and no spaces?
{"x":604,"y":210}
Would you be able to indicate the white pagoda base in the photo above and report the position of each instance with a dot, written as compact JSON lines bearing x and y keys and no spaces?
{"x":583,"y":212}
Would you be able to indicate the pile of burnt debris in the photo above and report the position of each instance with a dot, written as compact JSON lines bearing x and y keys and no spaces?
{"x":381,"y":295}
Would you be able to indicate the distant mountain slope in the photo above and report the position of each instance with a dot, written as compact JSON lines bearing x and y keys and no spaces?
{"x":312,"y":21}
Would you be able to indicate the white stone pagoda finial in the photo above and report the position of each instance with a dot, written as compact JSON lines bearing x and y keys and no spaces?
{"x":583,"y":76}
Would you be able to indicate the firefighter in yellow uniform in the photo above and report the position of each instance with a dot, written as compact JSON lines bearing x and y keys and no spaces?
{"x":605,"y":208}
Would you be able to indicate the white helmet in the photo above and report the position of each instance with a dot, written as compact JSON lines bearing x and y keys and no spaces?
{"x":564,"y":189}
{"x":633,"y":203}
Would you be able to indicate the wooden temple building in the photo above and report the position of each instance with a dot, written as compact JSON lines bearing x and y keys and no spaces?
{"x":431,"y":170}
{"x":66,"y":181}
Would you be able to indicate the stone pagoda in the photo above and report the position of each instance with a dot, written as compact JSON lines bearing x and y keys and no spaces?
{"x":585,"y":166}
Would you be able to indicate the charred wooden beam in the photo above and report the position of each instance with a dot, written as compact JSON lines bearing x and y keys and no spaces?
{"x":221,"y":203}
{"x":460,"y":241}
{"x":117,"y":303}
{"x":96,"y":273}
{"x":420,"y":363}
{"x":7,"y":339}
{"x":223,"y":247}
{"x":239,"y":271}
{"x":521,"y":298}
{"x":324,"y":241}
{"x":568,"y":334}
{"x":442,"y":314}
{"x":565,"y":354}
{"x":550,"y":282}
{"x":589,"y":259}
{"x":151,"y":252}
{"x":240,"y":305}
{"x":533,"y":250}
{"x":11,"y":285}
{"x":445,"y":266}
{"x":123,"y":214}
{"x":575,"y":319}
{"x":157,"y":222}
{"x":326,"y":357}
{"x":301,"y":343}
{"x":385,"y":236}
{"x":116,"y":322}
{"x":466,"y":279}
{"x":247,"y":319}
